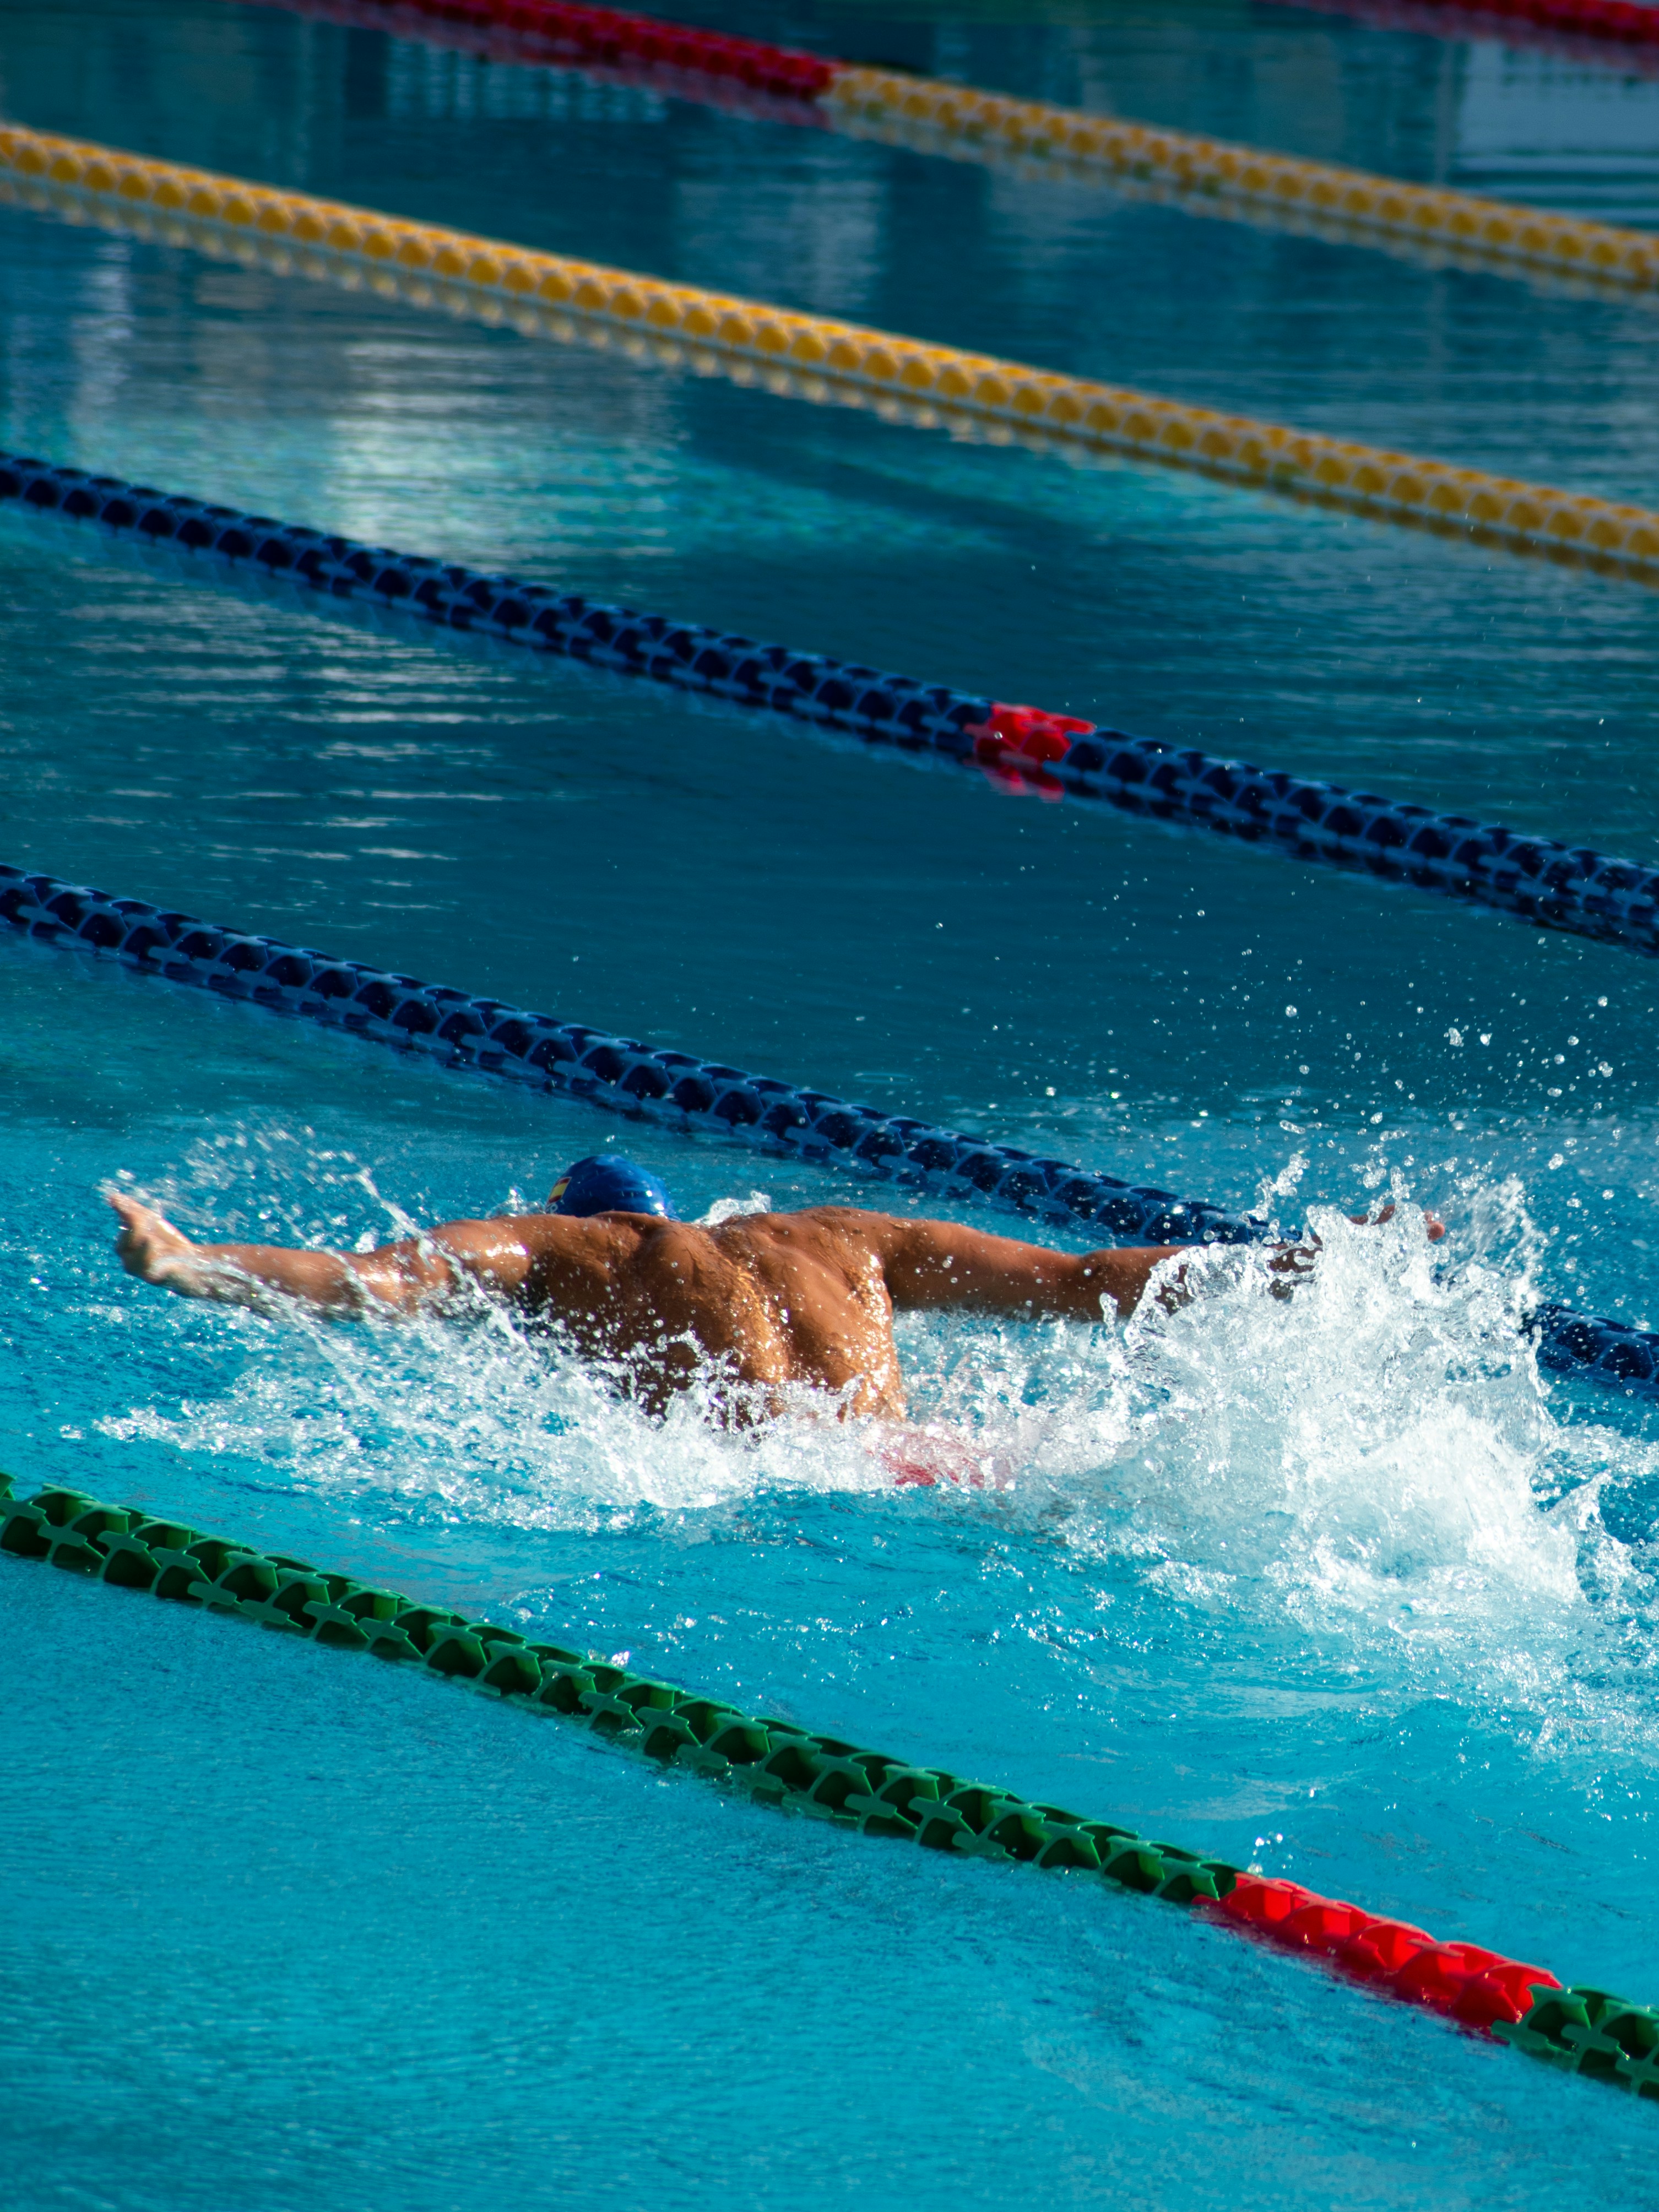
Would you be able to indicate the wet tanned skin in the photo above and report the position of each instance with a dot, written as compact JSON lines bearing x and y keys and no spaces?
{"x":774,"y":1299}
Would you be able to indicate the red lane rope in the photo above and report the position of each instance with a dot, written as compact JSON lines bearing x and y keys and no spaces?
{"x":482,"y":30}
{"x":562,"y":31}
{"x":1612,"y":33}
{"x":1477,"y":1987}
{"x":1622,"y":21}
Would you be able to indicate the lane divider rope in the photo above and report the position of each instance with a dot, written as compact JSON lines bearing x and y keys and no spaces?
{"x":1615,"y":33}
{"x":608,"y":38}
{"x":776,"y":1763}
{"x":1022,"y":750}
{"x":814,"y":357}
{"x":492,"y":40}
{"x":954,"y":120}
{"x":753,"y":88}
{"x":1462,"y":22}
{"x":457,"y":1031}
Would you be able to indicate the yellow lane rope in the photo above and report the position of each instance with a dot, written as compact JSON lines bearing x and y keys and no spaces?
{"x":815,"y":357}
{"x":1417,"y":249}
{"x":1424,"y":224}
{"x":879,"y":102}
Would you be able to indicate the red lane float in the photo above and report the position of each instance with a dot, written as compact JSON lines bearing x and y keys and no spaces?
{"x":614,"y":37}
{"x":1019,"y":747}
{"x":1635,"y":52}
{"x":1202,"y":175}
{"x":1621,"y":21}
{"x":1477,"y":1987}
{"x":594,"y":37}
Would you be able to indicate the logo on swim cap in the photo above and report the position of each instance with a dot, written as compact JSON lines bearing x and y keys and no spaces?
{"x":609,"y":1183}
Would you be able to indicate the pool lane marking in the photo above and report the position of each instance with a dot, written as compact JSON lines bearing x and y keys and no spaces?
{"x":816,"y":357}
{"x":1199,"y":174}
{"x":779,"y":1764}
{"x":1022,"y":750}
{"x":644,"y":1082}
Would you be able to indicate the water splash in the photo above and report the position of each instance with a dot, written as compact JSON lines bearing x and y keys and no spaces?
{"x":1366,"y":1456}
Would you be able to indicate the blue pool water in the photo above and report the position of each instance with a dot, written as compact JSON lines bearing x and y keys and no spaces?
{"x":1341,"y":1588}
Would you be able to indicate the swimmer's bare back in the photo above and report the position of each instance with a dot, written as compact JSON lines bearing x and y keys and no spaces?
{"x":770,"y":1300}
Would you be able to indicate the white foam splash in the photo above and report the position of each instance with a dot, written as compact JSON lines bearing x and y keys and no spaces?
{"x":733,"y":1209}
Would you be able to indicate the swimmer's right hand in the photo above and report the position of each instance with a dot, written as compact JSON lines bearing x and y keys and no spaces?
{"x":1294,"y":1260}
{"x":151,"y":1248}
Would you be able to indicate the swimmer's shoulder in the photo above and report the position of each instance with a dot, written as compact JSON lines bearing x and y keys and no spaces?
{"x":593,"y":1239}
{"x":826,"y":1230}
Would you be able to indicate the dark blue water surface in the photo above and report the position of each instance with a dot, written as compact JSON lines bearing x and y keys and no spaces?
{"x":1341,"y":1588}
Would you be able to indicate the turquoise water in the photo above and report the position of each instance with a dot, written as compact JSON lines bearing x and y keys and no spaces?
{"x":1341,"y":1588}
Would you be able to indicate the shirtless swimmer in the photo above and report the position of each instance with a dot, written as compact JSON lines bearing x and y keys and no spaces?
{"x":769,"y":1300}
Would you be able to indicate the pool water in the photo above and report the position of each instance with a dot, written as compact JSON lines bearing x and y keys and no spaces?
{"x":1341,"y":1586}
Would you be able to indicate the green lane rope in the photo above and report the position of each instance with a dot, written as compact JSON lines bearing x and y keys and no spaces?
{"x":772,"y":1759}
{"x":779,"y":1764}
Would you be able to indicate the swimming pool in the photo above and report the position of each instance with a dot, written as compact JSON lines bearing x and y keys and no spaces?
{"x":1341,"y":1589}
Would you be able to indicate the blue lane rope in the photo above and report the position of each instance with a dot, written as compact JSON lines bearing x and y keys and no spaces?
{"x":1555,"y":885}
{"x":459,"y":1030}
{"x":462,"y":1032}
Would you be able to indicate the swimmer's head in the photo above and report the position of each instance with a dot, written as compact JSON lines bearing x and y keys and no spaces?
{"x":609,"y":1183}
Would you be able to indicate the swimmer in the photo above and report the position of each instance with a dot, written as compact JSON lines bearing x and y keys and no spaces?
{"x":772,"y":1302}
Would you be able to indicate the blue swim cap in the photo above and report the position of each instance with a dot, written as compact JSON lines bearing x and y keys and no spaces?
{"x":609,"y":1183}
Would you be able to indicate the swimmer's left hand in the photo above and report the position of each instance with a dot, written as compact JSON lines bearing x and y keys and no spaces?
{"x":151,"y":1248}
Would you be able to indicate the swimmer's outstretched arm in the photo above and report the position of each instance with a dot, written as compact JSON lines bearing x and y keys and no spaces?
{"x":398,"y":1278}
{"x":939,"y":1266}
